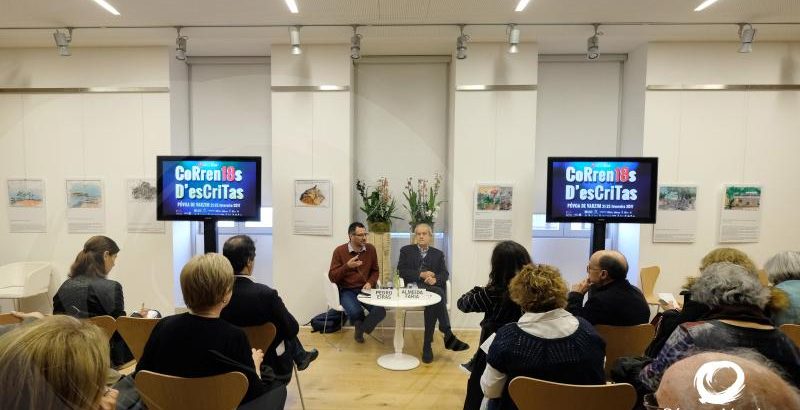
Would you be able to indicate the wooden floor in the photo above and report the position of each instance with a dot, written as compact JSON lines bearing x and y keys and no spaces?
{"x":352,"y":379}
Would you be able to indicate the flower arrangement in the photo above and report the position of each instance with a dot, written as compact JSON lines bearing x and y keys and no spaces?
{"x":378,"y":204}
{"x":421,"y":201}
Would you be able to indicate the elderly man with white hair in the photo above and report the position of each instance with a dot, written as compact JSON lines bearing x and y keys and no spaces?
{"x":425,"y":265}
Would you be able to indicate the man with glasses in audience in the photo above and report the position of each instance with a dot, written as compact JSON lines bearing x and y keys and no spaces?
{"x":354,"y":268}
{"x":425,"y":265}
{"x":612,"y":299}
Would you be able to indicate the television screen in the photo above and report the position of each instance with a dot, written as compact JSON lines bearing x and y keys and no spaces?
{"x":203,"y":188}
{"x":607,"y":189}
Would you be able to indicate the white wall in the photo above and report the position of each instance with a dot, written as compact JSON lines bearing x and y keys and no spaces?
{"x":108,"y":136}
{"x":493,"y":134}
{"x":311,"y":138}
{"x":713,"y":138}
{"x":401,"y":128}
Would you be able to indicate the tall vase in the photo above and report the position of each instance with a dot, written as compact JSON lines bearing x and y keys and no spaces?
{"x":380,"y":237}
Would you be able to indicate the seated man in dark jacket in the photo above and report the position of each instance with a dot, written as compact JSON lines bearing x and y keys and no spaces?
{"x":612,"y":299}
{"x":254,"y":304}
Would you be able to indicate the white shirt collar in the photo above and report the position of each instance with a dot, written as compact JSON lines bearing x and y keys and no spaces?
{"x":350,"y":248}
{"x":245,"y":276}
{"x":552,"y":324}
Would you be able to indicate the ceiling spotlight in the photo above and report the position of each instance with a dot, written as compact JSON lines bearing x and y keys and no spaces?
{"x":355,"y":44}
{"x":704,"y":5}
{"x":62,"y":41}
{"x":180,"y":45}
{"x":461,"y":43}
{"x":109,"y":8}
{"x":746,"y":35}
{"x":292,"y":5}
{"x":294,"y":38}
{"x":513,"y":39}
{"x":593,"y":44}
{"x":521,"y":5}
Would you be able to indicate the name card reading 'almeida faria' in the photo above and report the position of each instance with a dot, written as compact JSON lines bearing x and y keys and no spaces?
{"x":412,"y":293}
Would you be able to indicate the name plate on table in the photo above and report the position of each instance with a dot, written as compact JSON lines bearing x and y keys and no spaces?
{"x":412,"y":293}
{"x":383,"y":294}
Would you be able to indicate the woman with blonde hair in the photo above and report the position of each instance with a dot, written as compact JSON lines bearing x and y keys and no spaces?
{"x":547,"y":342}
{"x":57,"y":362}
{"x":199,"y":343}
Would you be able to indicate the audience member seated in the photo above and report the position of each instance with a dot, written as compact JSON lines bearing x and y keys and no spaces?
{"x":763,"y":387}
{"x":254,"y":304}
{"x":547,"y":342}
{"x":498,"y":309}
{"x":354,"y":267}
{"x":692,"y":311}
{"x":612,"y":299}
{"x":200,"y":344}
{"x":736,"y":320}
{"x":55,"y":363}
{"x":425,"y":265}
{"x":783,"y":270}
{"x":88,"y":292}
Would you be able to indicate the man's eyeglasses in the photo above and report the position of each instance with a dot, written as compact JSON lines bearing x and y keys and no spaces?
{"x":360,"y":235}
{"x":590,"y":268}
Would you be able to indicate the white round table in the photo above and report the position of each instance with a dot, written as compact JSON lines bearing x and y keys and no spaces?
{"x":399,"y":360}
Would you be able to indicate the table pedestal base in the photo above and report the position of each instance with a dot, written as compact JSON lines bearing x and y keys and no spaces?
{"x":398,"y":361}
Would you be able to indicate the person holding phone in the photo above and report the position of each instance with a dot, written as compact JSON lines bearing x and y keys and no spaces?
{"x":354,"y":268}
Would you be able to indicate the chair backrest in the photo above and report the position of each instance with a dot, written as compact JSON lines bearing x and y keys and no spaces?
{"x":162,"y":392}
{"x":332,"y":294}
{"x":135,"y":331}
{"x":32,"y":278}
{"x":9,"y":319}
{"x":448,"y":291}
{"x":261,"y":336}
{"x":763,"y":277}
{"x":647,"y":281}
{"x":793,"y":331}
{"x":106,"y":323}
{"x":622,"y":341}
{"x":534,"y":394}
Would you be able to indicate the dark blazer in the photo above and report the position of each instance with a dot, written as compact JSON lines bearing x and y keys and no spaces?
{"x":617,"y":304}
{"x":83,"y":296}
{"x":254,"y":304}
{"x":411,"y":261}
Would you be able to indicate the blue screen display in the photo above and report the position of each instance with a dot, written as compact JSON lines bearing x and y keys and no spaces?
{"x":608,"y":189}
{"x":195,"y":188}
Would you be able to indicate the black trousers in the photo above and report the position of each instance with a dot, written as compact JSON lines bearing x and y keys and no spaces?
{"x":437,"y":312}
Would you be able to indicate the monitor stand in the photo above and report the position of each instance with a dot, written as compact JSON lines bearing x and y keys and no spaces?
{"x":598,"y":236}
{"x":210,"y":243}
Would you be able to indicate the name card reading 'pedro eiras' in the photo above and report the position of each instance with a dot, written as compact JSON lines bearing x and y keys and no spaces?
{"x":383,"y":293}
{"x":412,"y":293}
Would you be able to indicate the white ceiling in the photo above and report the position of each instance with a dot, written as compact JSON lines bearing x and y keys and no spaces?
{"x":391,"y":40}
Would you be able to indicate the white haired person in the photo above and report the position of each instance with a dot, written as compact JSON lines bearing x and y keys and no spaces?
{"x":783,"y":270}
{"x":736,"y":320}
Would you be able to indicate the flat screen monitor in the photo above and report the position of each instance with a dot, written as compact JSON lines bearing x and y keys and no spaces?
{"x":602,"y":189}
{"x":196,"y":188}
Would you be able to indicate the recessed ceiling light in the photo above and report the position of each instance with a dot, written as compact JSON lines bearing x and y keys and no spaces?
{"x":704,"y":4}
{"x":522,"y":4}
{"x":292,"y":5}
{"x":109,"y":8}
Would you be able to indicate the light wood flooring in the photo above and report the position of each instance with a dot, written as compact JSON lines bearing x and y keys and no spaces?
{"x":351,"y":378}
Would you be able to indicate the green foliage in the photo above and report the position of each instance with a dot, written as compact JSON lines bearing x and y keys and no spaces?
{"x":378,"y":204}
{"x":421,"y":201}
